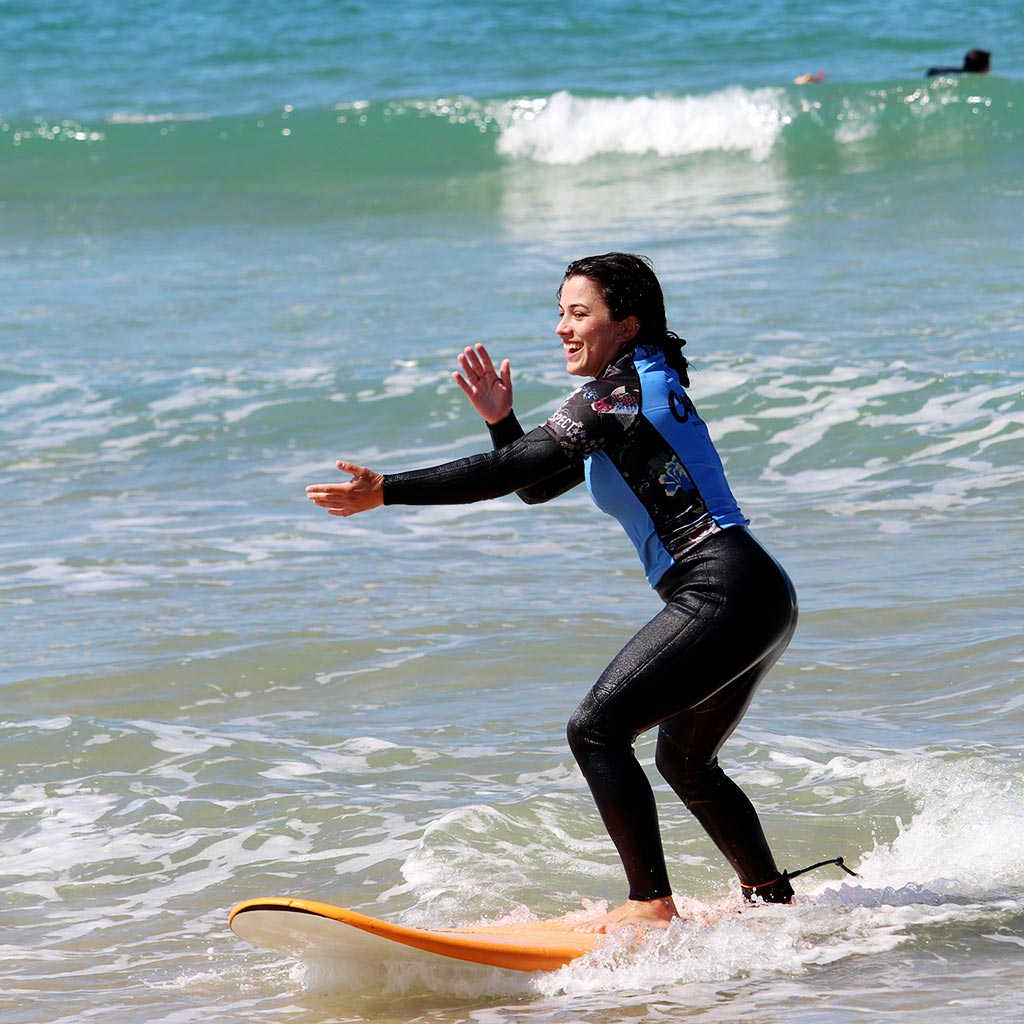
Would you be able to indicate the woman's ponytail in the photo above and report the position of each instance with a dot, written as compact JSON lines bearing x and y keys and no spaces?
{"x":672,"y":348}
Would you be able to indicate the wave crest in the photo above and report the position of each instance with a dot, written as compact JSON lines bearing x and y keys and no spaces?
{"x":568,"y":129}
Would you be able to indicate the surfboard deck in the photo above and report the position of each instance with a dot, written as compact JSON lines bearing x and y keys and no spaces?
{"x":303,"y":928}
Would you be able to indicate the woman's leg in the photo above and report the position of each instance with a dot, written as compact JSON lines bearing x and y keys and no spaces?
{"x":707,"y":649}
{"x":687,"y":759}
{"x":638,"y":690}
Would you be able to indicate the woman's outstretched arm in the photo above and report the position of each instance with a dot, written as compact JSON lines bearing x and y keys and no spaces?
{"x":530,"y":459}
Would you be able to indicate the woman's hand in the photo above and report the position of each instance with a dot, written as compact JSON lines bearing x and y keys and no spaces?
{"x":364,"y":491}
{"x":489,"y":391}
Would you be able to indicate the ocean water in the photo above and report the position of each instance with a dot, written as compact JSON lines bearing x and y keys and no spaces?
{"x":241,"y":241}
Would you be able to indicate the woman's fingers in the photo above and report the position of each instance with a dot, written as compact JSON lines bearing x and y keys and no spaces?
{"x":364,"y":491}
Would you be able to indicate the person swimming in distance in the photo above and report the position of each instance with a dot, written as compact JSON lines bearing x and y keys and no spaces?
{"x":976,"y":62}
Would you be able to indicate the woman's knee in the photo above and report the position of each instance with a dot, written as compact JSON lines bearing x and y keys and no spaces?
{"x":668,"y":759}
{"x":574,"y":732}
{"x":691,"y":784}
{"x":577,"y":732}
{"x":589,"y":730}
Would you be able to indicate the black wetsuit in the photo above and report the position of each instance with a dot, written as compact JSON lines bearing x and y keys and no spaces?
{"x":729,"y":612}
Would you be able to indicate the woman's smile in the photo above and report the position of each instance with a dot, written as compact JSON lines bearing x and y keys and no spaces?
{"x":591,"y":339}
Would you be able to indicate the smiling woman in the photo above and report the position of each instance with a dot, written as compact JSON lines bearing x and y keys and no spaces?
{"x":730,"y":609}
{"x":618,"y":294}
{"x":590,"y":337}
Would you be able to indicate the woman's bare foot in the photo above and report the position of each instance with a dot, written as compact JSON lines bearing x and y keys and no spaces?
{"x":657,"y":913}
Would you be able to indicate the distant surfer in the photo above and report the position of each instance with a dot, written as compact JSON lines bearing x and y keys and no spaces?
{"x":729,"y":609}
{"x":976,"y":62}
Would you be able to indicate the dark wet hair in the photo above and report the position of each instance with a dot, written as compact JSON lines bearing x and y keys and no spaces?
{"x":977,"y":60}
{"x":630,"y":287}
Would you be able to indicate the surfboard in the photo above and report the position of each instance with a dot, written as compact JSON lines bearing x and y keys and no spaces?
{"x":305,"y":928}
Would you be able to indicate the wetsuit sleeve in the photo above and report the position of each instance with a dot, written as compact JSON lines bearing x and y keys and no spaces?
{"x":505,"y":432}
{"x":508,"y":431}
{"x":529,"y":459}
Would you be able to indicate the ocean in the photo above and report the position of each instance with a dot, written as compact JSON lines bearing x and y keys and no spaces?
{"x":238,"y":242}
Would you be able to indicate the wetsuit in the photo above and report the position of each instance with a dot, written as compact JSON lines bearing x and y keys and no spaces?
{"x":730,"y":609}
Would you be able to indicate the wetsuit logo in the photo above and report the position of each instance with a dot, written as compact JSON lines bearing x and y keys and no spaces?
{"x":681,"y":407}
{"x":619,"y":403}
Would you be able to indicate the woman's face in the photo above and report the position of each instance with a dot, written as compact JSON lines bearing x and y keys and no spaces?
{"x":590,"y":337}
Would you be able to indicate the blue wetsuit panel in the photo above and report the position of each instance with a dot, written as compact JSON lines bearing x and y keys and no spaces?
{"x":650,"y":461}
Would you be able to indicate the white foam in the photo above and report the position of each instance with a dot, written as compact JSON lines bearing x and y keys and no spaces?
{"x":168,"y":117}
{"x":568,"y":129}
{"x":829,"y":408}
{"x":57,"y":573}
{"x":963,"y":837}
{"x":326,"y":981}
{"x":181,"y":739}
{"x":34,"y":397}
{"x":250,"y":408}
{"x":202,"y":396}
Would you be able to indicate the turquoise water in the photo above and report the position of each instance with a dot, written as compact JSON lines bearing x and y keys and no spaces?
{"x":237,"y":244}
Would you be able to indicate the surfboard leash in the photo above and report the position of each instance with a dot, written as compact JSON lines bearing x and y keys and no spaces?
{"x":778,"y":890}
{"x":838,"y":861}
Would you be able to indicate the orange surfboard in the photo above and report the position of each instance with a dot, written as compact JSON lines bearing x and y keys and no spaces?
{"x":302,"y":928}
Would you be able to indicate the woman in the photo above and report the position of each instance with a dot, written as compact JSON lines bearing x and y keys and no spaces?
{"x":634,"y":435}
